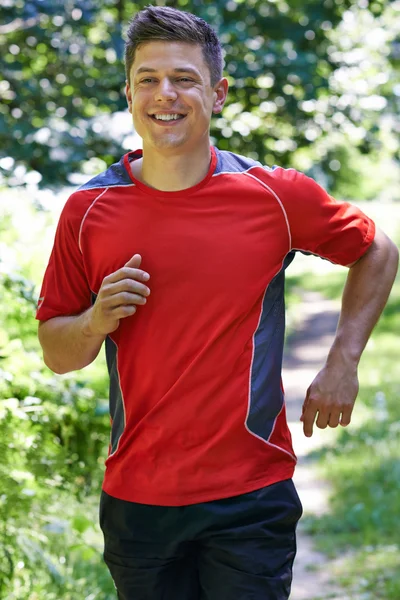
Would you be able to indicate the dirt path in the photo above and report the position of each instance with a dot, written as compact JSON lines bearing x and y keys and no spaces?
{"x":304,"y":356}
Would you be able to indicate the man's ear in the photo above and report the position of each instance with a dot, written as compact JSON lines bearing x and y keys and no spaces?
{"x":128,"y":94}
{"x":220,"y":93}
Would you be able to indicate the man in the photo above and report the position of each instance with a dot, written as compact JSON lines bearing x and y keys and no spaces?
{"x":198,"y":500}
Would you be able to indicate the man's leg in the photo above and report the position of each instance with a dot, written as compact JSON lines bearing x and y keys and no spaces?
{"x":145,"y":551}
{"x":248,"y":550}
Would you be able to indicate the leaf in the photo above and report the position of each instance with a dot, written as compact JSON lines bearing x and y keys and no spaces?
{"x":81,"y":523}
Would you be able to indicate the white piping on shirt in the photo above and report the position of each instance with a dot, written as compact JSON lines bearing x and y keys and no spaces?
{"x":123,"y":403}
{"x":101,"y":187}
{"x":264,"y":167}
{"x":275,"y":195}
{"x":269,"y":169}
{"x":249,"y":393}
{"x":279,"y":202}
{"x":85,"y":215}
{"x":272,"y":431}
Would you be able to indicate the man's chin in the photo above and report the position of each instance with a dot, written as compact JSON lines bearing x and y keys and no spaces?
{"x":168,"y":142}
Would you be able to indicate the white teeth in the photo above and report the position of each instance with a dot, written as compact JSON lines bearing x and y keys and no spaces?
{"x":168,"y":117}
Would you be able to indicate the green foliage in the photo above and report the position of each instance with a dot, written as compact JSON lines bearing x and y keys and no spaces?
{"x":376,"y":571}
{"x":53,"y":439}
{"x":307,"y":80}
{"x":56,"y":55}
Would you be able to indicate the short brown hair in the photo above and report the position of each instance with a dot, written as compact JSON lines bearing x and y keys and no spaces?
{"x":163,"y":23}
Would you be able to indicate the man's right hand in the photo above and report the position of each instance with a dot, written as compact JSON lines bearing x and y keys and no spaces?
{"x":119,"y":296}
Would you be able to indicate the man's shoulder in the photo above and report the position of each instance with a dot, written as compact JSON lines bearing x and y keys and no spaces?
{"x":285,"y":183}
{"x":84,"y":197}
{"x":230,"y":162}
{"x":115,"y":176}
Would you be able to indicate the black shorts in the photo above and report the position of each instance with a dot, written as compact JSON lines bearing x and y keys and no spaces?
{"x":239,"y":548}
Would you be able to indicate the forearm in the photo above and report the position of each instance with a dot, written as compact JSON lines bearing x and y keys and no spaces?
{"x":68,"y":344}
{"x":364,"y":297}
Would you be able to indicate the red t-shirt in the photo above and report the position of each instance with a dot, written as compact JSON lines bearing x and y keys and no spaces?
{"x":196,"y":399}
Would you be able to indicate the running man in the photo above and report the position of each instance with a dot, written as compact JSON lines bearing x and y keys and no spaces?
{"x":174,"y":257}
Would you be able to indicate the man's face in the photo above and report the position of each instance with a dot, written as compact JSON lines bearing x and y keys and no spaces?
{"x":170,"y":95}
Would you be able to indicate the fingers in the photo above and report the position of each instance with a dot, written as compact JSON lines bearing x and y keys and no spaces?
{"x":346,"y":417}
{"x":119,"y":296}
{"x":134,"y":262}
{"x":127,"y":273}
{"x":334,"y":418}
{"x":330,"y":398}
{"x":124,"y":311}
{"x":308,"y":418}
{"x":123,"y":299}
{"x":323,"y":417}
{"x":129,"y":286}
{"x":308,"y":415}
{"x":123,"y":294}
{"x":124,"y":287}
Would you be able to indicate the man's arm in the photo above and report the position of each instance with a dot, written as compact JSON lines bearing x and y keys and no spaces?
{"x":68,"y":343}
{"x":73,"y":342}
{"x":333,"y":392}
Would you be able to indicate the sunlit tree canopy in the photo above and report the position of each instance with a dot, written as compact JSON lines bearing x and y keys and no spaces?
{"x":307,"y":80}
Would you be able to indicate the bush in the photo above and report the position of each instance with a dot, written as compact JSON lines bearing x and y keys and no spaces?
{"x":53,"y":439}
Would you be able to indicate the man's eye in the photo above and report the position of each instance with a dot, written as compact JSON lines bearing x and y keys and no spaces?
{"x":185,"y":79}
{"x":147,"y":80}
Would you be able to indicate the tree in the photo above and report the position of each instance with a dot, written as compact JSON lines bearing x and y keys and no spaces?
{"x":63,"y":72}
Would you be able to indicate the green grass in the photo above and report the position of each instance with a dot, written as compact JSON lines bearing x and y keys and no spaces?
{"x":363,"y":524}
{"x":372,"y":574}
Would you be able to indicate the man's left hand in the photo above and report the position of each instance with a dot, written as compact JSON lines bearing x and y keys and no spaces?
{"x":330,"y":398}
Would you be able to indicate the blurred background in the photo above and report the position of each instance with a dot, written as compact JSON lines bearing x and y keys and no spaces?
{"x":313,"y":85}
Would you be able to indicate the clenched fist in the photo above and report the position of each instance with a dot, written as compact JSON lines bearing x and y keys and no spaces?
{"x":119,"y":296}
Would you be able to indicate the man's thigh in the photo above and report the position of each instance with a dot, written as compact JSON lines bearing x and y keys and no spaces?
{"x":145,"y":553}
{"x":248,"y":553}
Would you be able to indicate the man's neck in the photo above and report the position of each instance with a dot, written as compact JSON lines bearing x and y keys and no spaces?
{"x":171,"y":171}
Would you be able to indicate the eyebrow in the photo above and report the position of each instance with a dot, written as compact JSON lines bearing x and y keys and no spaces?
{"x":177,"y":70}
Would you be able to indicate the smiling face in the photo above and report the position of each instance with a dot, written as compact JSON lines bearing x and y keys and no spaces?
{"x":170,"y":96}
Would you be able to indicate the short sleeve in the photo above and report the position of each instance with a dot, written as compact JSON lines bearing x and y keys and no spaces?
{"x":319,"y":224}
{"x":65,"y":288}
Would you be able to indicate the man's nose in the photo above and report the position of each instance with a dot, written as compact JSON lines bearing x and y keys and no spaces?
{"x":165,"y":90}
